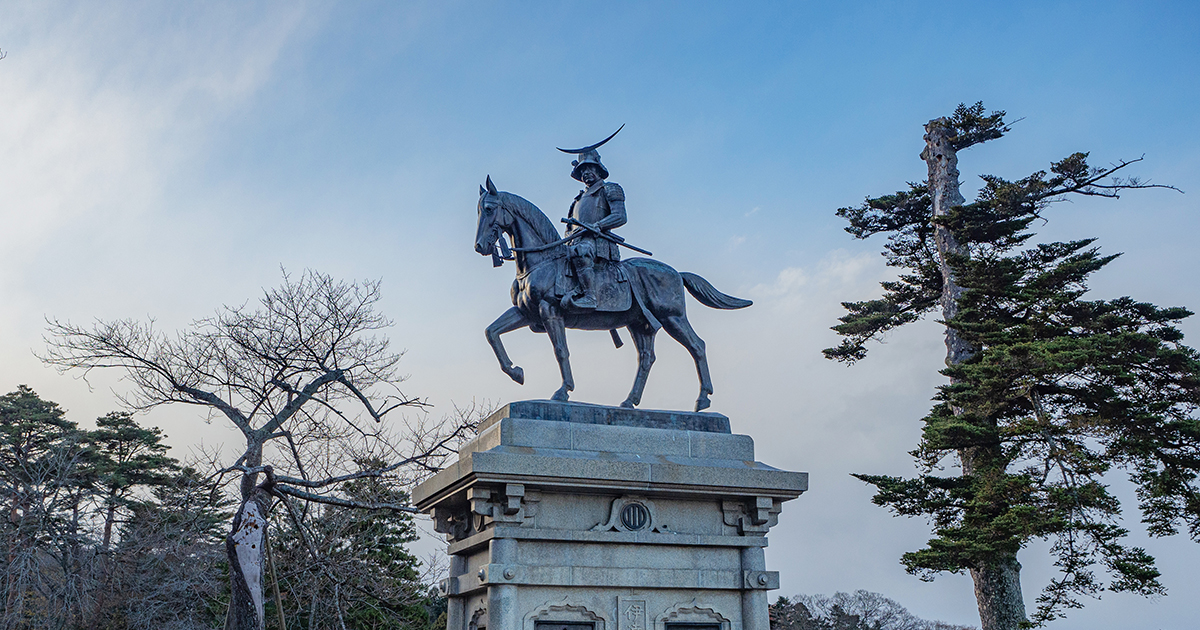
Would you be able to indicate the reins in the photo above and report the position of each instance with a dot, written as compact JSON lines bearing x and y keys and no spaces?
{"x":541,"y":263}
{"x":542,"y":248}
{"x":507,"y":253}
{"x":517,"y":216}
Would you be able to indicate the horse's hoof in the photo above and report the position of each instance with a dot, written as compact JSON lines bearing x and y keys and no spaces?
{"x":560,"y":395}
{"x":702,"y":403}
{"x":628,"y":404}
{"x":517,"y":374}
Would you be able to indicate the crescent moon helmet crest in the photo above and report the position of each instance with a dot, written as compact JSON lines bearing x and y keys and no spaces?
{"x":588,"y":155}
{"x":594,"y":146}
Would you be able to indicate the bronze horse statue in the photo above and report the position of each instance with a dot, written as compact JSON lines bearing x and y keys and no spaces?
{"x":541,"y":258}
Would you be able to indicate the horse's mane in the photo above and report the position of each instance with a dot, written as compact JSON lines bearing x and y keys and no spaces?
{"x":534,"y":216}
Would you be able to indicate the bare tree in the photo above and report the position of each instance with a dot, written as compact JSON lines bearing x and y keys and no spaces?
{"x":860,"y":610}
{"x":286,"y":373}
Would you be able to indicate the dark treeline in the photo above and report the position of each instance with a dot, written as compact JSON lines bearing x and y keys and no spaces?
{"x":101,"y":529}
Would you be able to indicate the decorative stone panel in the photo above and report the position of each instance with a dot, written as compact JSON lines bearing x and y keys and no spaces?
{"x":631,"y":613}
{"x":564,"y":612}
{"x":691,"y":612}
{"x":632,"y":514}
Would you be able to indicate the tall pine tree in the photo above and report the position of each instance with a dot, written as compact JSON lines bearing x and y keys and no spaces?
{"x":1047,"y":392}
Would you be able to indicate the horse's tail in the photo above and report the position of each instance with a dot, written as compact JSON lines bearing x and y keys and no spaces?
{"x":709,"y":295}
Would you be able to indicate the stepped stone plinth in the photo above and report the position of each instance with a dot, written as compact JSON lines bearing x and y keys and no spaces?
{"x":584,"y":517}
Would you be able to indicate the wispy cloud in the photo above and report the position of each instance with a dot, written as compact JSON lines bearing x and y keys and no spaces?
{"x":97,"y":113}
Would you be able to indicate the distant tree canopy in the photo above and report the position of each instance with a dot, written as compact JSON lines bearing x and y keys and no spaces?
{"x":1047,"y":393}
{"x":101,"y":524}
{"x":102,"y":530}
{"x":861,"y":610}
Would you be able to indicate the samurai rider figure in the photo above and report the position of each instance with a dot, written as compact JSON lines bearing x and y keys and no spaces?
{"x":601,"y":207}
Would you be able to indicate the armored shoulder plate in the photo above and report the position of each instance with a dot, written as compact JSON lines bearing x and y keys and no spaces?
{"x":613,"y":191}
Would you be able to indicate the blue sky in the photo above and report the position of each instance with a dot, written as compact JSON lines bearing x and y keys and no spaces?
{"x":163,"y":159}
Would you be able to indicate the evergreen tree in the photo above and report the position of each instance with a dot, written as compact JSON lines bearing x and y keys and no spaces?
{"x":126,"y":456}
{"x":40,"y":487}
{"x":1047,"y":391}
{"x":354,"y":564}
{"x":788,"y":615}
{"x":61,"y":489}
{"x":169,"y":561}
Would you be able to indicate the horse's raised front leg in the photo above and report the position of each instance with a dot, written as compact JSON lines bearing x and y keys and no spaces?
{"x":681,"y":330}
{"x":511,"y":320}
{"x":643,"y":339}
{"x":552,"y":320}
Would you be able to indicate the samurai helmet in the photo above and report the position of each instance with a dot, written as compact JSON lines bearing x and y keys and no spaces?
{"x":588,"y":155}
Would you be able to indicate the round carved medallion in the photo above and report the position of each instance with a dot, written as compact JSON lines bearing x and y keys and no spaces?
{"x":635,"y":516}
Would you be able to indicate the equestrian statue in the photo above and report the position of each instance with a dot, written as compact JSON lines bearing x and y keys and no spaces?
{"x":579,"y":281}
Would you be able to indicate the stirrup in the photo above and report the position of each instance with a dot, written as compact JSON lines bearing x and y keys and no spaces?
{"x":585,"y":301}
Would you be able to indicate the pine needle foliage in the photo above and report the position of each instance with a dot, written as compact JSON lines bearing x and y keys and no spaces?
{"x":1053,"y":393}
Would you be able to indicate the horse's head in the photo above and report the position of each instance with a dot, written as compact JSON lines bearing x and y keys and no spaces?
{"x":493,"y":218}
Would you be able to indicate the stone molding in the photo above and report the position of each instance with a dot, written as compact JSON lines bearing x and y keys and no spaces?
{"x":479,"y":539}
{"x":690,"y":612}
{"x":495,"y":574}
{"x":620,"y":473}
{"x":585,"y":413}
{"x":564,"y":612}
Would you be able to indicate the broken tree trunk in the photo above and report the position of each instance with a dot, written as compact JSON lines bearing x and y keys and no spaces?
{"x":997,"y":584}
{"x":245,"y":547}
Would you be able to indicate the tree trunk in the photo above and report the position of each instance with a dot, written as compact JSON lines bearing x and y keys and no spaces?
{"x":997,"y":585}
{"x":942,"y":160}
{"x":110,"y":515}
{"x":104,"y":560}
{"x":244,"y":548}
{"x":998,"y":594}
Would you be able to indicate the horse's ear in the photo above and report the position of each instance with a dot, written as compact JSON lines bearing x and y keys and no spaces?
{"x":490,"y":186}
{"x":482,"y":192}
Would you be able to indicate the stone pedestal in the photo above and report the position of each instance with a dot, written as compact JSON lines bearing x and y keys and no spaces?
{"x":565,"y":516}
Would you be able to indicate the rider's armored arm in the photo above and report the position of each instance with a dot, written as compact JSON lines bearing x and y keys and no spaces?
{"x":616,"y":207}
{"x":571,"y":210}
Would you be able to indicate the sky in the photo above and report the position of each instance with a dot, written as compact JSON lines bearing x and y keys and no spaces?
{"x":163,"y":159}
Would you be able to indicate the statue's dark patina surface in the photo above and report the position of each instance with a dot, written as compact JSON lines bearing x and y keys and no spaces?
{"x":579,"y":280}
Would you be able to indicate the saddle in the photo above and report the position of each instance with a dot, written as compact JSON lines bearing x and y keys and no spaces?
{"x":612,"y":290}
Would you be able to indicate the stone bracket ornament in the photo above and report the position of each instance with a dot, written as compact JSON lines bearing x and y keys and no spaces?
{"x":512,"y":506}
{"x":631,"y":513}
{"x":751,"y":517}
{"x":456,"y":525}
{"x":480,"y":615}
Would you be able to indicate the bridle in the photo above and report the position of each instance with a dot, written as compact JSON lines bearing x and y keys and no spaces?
{"x":501,"y":251}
